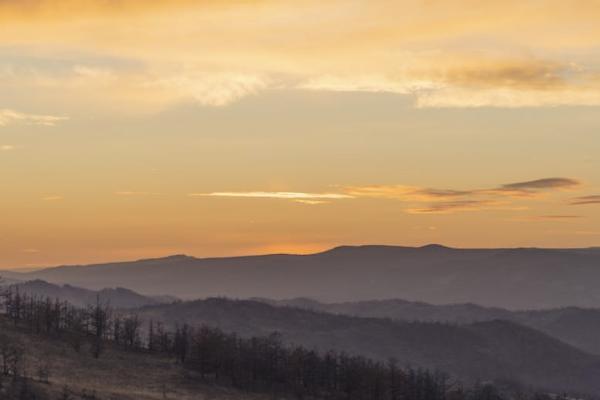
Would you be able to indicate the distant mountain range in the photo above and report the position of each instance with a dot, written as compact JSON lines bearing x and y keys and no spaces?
{"x":522,"y":278}
{"x":491,"y":350}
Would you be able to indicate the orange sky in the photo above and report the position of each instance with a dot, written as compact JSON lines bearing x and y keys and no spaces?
{"x":236,"y":127}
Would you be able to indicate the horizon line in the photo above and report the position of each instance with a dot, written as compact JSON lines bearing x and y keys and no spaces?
{"x":30,"y":269}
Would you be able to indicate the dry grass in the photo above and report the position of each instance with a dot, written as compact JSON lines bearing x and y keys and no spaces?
{"x":117,"y":375}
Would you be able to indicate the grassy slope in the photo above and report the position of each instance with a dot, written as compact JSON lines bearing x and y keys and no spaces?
{"x":117,"y":375}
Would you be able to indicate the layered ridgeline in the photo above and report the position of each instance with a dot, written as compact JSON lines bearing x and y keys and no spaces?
{"x":117,"y":297}
{"x":484,"y":351}
{"x":489,"y":350}
{"x":52,"y":350}
{"x":509,"y":278}
{"x":579,"y":327}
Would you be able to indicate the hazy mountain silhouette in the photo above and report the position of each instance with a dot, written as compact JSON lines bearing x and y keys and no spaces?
{"x":526,"y":278}
{"x":491,"y":350}
{"x":116,"y":297}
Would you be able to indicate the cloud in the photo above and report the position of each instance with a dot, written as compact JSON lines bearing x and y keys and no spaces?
{"x":276,"y":195}
{"x":311,"y":202}
{"x":531,"y":188}
{"x":518,"y":73}
{"x":546,"y":183}
{"x":402,"y":192}
{"x":458,"y":97}
{"x":8,"y":117}
{"x":373,"y":84}
{"x":215,"y":89}
{"x":425,"y":200}
{"x":440,"y":54}
{"x":444,"y":201}
{"x":7,"y":147}
{"x":447,"y":207}
{"x":93,"y":73}
{"x":582,"y":200}
{"x":439,"y":81}
{"x":414,"y":193}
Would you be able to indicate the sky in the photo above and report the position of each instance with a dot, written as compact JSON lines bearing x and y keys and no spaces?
{"x":133,"y":128}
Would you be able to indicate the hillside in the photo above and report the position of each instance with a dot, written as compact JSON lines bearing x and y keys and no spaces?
{"x":117,"y":375}
{"x":494,"y":350}
{"x":578,"y":327}
{"x":534,"y":278}
{"x":93,"y":354}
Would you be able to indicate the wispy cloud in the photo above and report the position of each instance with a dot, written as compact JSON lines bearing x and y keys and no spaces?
{"x":214,"y":89}
{"x":519,"y":189}
{"x":365,"y":46}
{"x":447,"y":207}
{"x":312,"y":202}
{"x":407,"y":193}
{"x":7,"y":147}
{"x":276,"y":195}
{"x":424,"y":200}
{"x":529,"y":188}
{"x":8,"y":116}
{"x":582,"y":200}
{"x":444,"y":201}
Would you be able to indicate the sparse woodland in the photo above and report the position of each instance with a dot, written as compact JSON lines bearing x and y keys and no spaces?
{"x":210,"y":356}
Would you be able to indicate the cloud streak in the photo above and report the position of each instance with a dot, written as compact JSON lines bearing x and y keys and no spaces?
{"x":8,"y":116}
{"x":447,"y":207}
{"x":546,"y":183}
{"x":531,"y":188}
{"x":425,"y":200}
{"x":517,"y":189}
{"x":445,"y":201}
{"x":276,"y":195}
{"x":583,"y":200}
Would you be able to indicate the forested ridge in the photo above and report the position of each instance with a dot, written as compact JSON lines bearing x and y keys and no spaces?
{"x":209,"y":355}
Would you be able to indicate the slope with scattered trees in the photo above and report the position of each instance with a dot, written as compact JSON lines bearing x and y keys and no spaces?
{"x":491,"y":350}
{"x":50,"y":349}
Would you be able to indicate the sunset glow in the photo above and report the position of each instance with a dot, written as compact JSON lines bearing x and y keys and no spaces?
{"x":131,"y":129}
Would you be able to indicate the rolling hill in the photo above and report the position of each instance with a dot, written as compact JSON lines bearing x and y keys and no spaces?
{"x":579,"y":327}
{"x":491,"y":350}
{"x":80,"y":297}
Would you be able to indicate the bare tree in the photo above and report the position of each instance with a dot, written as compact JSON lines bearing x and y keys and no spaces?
{"x":99,"y":319}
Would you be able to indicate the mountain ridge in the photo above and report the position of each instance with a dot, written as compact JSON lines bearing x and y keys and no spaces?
{"x":340,"y":248}
{"x":536,"y":278}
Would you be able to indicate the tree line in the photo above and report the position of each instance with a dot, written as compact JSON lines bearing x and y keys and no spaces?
{"x":209,"y":355}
